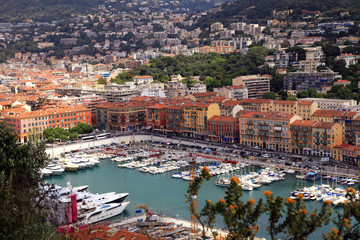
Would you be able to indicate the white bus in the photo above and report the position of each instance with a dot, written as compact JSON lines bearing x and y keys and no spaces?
{"x":103,"y":135}
{"x":88,"y":138}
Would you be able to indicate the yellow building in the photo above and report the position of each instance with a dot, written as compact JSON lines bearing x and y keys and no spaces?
{"x":325,"y":136}
{"x":196,"y":117}
{"x":305,"y":109}
{"x":270,"y":130}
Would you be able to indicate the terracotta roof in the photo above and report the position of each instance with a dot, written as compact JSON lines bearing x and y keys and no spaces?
{"x":231,"y":103}
{"x":333,"y":113}
{"x":255,"y":100}
{"x":323,"y":125}
{"x":269,"y":115}
{"x":158,"y":106}
{"x":223,"y":119}
{"x":204,"y":94}
{"x":305,"y":102}
{"x":284,"y":102}
{"x":304,"y":123}
{"x":106,"y":233}
{"x":348,"y":147}
{"x":148,"y":76}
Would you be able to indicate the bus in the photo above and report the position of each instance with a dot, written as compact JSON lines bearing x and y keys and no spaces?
{"x":88,"y":138}
{"x":103,"y":135}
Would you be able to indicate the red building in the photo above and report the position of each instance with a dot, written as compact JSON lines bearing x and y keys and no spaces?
{"x":156,"y":117}
{"x":223,"y":129}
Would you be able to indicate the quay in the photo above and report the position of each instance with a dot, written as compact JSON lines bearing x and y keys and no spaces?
{"x":57,"y":150}
{"x":178,"y":225}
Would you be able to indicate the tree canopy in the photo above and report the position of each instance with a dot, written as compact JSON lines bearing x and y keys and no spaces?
{"x":21,"y":214}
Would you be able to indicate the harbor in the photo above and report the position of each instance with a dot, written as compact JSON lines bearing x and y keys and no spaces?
{"x":162,"y":192}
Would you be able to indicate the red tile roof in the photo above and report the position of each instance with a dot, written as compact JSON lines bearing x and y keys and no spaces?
{"x":269,"y":115}
{"x":323,"y":125}
{"x":106,"y":233}
{"x":304,"y":123}
{"x":223,"y":119}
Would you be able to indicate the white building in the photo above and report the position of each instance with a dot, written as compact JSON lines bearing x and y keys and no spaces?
{"x":139,"y":80}
{"x":333,"y":104}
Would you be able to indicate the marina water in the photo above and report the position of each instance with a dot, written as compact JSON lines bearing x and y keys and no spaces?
{"x":164,"y":194}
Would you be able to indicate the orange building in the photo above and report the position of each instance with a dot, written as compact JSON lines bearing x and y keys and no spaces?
{"x":325,"y":137}
{"x":31,"y":124}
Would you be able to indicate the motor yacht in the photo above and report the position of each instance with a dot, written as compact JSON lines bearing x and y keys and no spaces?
{"x":103,"y":212}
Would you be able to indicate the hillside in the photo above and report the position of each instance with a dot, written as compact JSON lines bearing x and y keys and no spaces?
{"x":43,"y":9}
{"x":262,"y":9}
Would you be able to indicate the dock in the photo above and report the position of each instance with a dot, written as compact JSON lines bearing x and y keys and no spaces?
{"x":177,"y":226}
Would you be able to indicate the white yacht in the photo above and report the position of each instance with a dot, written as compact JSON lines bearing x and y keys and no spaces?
{"x":106,"y":198}
{"x":45,"y":172}
{"x":103,"y":212}
{"x":57,"y":169}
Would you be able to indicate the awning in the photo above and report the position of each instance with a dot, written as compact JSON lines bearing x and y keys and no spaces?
{"x":148,"y":127}
{"x":166,"y":130}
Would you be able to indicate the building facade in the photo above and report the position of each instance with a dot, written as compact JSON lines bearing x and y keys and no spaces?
{"x":300,"y":81}
{"x":270,"y":130}
{"x":32,"y":124}
{"x":223,"y":129}
{"x":196,"y":117}
{"x":234,"y":92}
{"x":257,"y":85}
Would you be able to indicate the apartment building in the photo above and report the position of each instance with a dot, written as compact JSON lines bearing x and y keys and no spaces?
{"x":301,"y":137}
{"x":305,"y":109}
{"x":174,"y":118}
{"x":270,"y":130}
{"x":196,"y":117}
{"x":332,"y":104}
{"x":235,"y":92}
{"x":344,"y":118}
{"x":325,"y":137}
{"x":31,"y":124}
{"x":304,"y":80}
{"x":156,"y":117}
{"x":223,"y":129}
{"x":257,"y":85}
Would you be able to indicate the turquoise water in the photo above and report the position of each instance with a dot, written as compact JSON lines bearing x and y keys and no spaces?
{"x":164,"y":194}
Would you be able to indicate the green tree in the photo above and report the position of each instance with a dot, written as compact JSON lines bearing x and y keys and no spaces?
{"x":74,"y":135}
{"x":296,"y":53}
{"x":346,"y":220}
{"x":277,"y":83}
{"x":269,"y":95}
{"x":212,"y":83}
{"x":22,"y":216}
{"x":101,"y":80}
{"x":291,"y":97}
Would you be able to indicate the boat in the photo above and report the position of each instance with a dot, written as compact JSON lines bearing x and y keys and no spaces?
{"x":223,"y":182}
{"x":290,"y":171}
{"x":106,"y":198}
{"x":71,"y":167}
{"x":45,"y":172}
{"x":103,"y":212}
{"x":176,"y":175}
{"x":311,"y":176}
{"x":57,"y":169}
